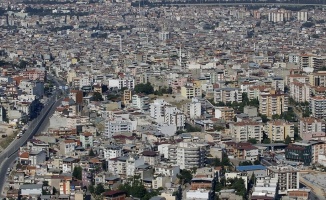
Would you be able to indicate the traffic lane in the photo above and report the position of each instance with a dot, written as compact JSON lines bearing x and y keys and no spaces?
{"x":17,"y":143}
{"x":7,"y":161}
{"x":4,"y":166}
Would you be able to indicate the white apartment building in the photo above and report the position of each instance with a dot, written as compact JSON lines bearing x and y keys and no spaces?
{"x":173,"y":116}
{"x":167,"y":170}
{"x":193,"y":109}
{"x":188,"y":155}
{"x":302,"y":16}
{"x":310,"y":125}
{"x":140,"y":101}
{"x":294,"y":58}
{"x":112,"y":151}
{"x":157,"y":110}
{"x":118,"y":124}
{"x":85,"y":80}
{"x":132,"y":163}
{"x":299,"y":92}
{"x":228,"y":95}
{"x":318,"y":106}
{"x":244,"y":130}
{"x":121,"y":83}
{"x":162,"y":112}
{"x":288,"y":177}
{"x":279,"y":16}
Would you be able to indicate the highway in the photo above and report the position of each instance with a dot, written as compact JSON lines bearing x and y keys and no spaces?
{"x":8,"y":156}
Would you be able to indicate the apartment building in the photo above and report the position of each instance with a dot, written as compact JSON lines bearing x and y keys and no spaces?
{"x":122,"y":83}
{"x":32,"y":87}
{"x":35,"y":74}
{"x":193,"y":109}
{"x":86,"y":139}
{"x":319,"y":79}
{"x":157,"y":109}
{"x":306,"y":152}
{"x":118,"y":124}
{"x":132,"y":163}
{"x":278,"y":130}
{"x":141,"y":102}
{"x":297,"y":77}
{"x":306,"y":60}
{"x":245,"y":151}
{"x":225,"y":113}
{"x":173,"y":116}
{"x":279,"y":16}
{"x":127,"y":97}
{"x":162,"y":112}
{"x":273,"y":103}
{"x":299,"y":92}
{"x":244,"y":130}
{"x":188,"y":155}
{"x":278,"y":83}
{"x":318,"y":106}
{"x":112,"y":151}
{"x":190,"y":91}
{"x":310,"y":125}
{"x":318,"y":91}
{"x":227,"y":95}
{"x":255,"y":91}
{"x":288,"y":177}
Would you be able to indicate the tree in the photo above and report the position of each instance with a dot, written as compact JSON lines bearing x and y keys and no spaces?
{"x":91,"y":189}
{"x":225,"y":160}
{"x":91,"y":153}
{"x":245,"y":163}
{"x":22,"y":64}
{"x":54,"y":190}
{"x":256,"y":162}
{"x":308,"y":24}
{"x":144,"y":88}
{"x":287,"y":140}
{"x":216,"y":162}
{"x":135,"y":188}
{"x":78,"y":173}
{"x":97,"y":96}
{"x":99,"y":189}
{"x":267,"y":141}
{"x":264,"y":118}
{"x":185,"y":176}
{"x":252,"y":140}
{"x":104,"y":88}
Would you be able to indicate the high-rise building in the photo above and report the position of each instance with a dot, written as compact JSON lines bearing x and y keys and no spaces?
{"x":288,"y":177}
{"x":274,"y":103}
{"x":302,"y":16}
{"x":318,"y":107}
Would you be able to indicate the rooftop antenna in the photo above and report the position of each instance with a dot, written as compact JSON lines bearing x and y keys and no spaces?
{"x":139,"y":7}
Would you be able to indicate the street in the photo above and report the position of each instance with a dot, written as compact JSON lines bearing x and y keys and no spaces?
{"x":8,"y":156}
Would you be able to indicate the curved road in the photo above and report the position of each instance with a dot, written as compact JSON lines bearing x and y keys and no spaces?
{"x":8,"y":156}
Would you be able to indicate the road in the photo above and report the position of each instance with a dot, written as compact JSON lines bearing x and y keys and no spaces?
{"x":35,"y":126}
